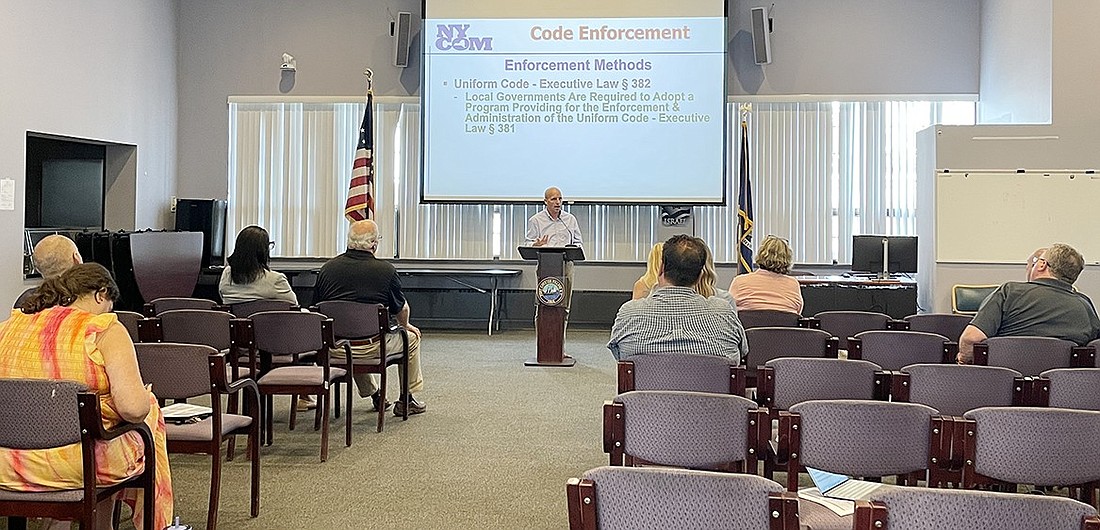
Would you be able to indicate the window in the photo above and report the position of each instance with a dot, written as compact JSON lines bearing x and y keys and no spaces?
{"x":821,"y":171}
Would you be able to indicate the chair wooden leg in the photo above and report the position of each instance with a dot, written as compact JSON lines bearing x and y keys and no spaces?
{"x":324,"y":426}
{"x":317,"y":413}
{"x":270,"y":413}
{"x":253,"y":442}
{"x":347,"y":421}
{"x":293,"y":410}
{"x":17,"y":523}
{"x":215,"y":485}
{"x":336,"y":396}
{"x":382,"y":392}
{"x":407,"y":396}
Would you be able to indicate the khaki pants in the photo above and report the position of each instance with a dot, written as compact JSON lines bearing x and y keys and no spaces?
{"x":366,"y":382}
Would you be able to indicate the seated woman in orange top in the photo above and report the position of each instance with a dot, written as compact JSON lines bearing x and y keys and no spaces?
{"x":769,"y":287}
{"x":66,"y":331}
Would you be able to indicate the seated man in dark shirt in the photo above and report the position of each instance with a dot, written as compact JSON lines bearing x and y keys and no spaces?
{"x":358,"y":276}
{"x":1045,"y":306}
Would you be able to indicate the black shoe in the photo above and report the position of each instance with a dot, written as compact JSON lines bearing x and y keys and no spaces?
{"x":377,"y":399}
{"x":415,"y":407}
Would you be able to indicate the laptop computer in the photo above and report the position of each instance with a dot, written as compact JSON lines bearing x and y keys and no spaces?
{"x":837,"y":486}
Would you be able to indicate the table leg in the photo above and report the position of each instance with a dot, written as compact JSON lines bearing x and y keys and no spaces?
{"x":492,"y":303}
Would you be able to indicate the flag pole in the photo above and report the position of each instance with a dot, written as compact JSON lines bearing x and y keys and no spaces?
{"x":744,"y":197}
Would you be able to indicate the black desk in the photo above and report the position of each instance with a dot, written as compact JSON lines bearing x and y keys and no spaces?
{"x":454,"y":275}
{"x":895,"y":297}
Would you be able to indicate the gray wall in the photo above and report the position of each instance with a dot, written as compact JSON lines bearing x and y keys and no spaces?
{"x":1016,"y":61}
{"x":235,"y":48}
{"x":99,"y":69}
{"x":857,"y":47}
{"x":1069,"y":142}
{"x":849,"y":47}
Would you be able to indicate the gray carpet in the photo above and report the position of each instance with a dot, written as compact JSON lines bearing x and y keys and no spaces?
{"x":494,"y":450}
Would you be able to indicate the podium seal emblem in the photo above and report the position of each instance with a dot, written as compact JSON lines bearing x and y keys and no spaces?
{"x":551,"y":291}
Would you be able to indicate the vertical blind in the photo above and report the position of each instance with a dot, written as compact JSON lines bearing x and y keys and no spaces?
{"x":821,"y":171}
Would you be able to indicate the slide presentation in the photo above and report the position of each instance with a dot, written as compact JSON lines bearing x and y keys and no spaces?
{"x":611,"y":109}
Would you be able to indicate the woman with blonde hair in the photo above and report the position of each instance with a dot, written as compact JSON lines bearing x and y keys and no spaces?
{"x":645,"y":284}
{"x":769,"y":287}
{"x":705,"y":286}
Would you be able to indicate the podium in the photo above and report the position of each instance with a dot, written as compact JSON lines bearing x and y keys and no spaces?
{"x":552,"y":296}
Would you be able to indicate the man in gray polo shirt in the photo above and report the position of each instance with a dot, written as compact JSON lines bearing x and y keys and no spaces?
{"x":1045,"y":306}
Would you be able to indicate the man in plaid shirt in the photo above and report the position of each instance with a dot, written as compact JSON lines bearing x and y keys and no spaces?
{"x":675,"y":319}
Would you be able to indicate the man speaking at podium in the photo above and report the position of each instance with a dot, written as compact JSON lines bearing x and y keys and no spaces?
{"x":552,"y":227}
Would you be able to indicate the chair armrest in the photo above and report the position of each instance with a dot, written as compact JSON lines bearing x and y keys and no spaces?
{"x":91,"y":415}
{"x":897,"y":325}
{"x":869,"y":516}
{"x":581,"y":501}
{"x":855,"y":348}
{"x":738,"y":380}
{"x":790,"y":446}
{"x":242,"y":384}
{"x":1090,"y":522}
{"x":765,"y":386}
{"x":883,"y":385}
{"x":950,"y":352}
{"x":149,"y":310}
{"x":613,"y":426}
{"x":783,"y":507}
{"x":981,"y":354}
{"x":1082,"y":357}
{"x":809,"y":322}
{"x":899,"y":386}
{"x":1031,"y":392}
{"x":832,"y":347}
{"x":759,"y":434}
{"x":149,"y":330}
{"x":625,"y":371}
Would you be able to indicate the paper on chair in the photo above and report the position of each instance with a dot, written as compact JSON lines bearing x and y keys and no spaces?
{"x":184,"y":411}
{"x":837,"y":506}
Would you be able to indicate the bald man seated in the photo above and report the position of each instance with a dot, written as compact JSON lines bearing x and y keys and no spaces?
{"x":53,"y":255}
{"x":358,"y":276}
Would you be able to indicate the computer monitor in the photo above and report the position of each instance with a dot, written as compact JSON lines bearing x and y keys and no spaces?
{"x":867,"y":253}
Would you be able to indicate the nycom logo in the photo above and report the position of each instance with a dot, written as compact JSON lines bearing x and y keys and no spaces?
{"x":453,"y":37}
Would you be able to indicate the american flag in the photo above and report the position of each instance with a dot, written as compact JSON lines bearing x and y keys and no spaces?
{"x":360,"y":203}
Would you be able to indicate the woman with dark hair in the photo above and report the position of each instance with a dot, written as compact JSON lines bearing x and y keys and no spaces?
{"x":248,"y":275}
{"x":66,"y":331}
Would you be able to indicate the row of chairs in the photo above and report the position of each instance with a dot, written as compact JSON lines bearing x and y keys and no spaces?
{"x":616,"y":498}
{"x":193,"y":352}
{"x":1003,"y":446}
{"x":274,"y":343}
{"x":949,"y":388}
{"x":735,"y":429}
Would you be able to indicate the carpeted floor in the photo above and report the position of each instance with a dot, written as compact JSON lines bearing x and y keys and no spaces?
{"x":494,"y":450}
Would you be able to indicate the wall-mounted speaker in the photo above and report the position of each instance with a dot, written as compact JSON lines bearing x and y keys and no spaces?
{"x":761,"y":35}
{"x":402,"y":32}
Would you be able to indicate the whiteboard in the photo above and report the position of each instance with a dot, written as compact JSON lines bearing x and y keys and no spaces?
{"x":1002,"y":217}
